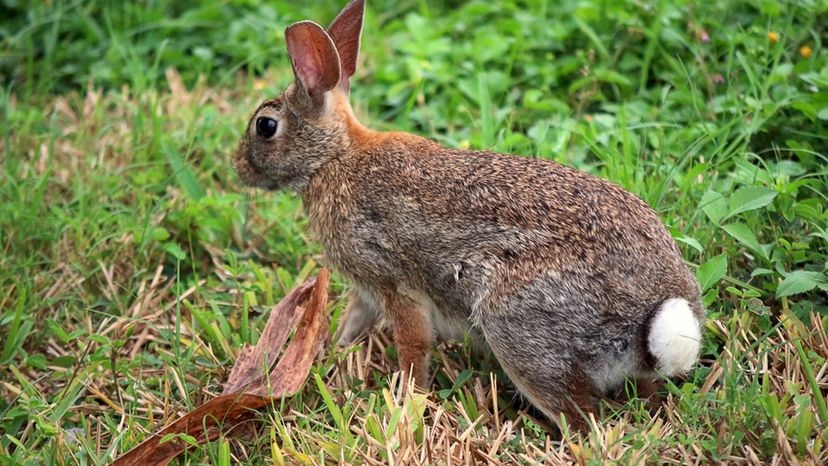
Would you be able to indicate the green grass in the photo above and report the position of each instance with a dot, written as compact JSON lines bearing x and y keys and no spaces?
{"x":133,"y":265}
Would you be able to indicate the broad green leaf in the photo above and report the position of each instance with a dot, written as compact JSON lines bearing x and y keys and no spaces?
{"x":159,"y":234}
{"x":184,"y":174}
{"x":800,"y":281}
{"x":610,"y":76}
{"x":712,"y":271}
{"x":174,"y":250}
{"x":714,"y":206}
{"x":462,"y":378}
{"x":692,"y":242}
{"x":749,"y":198}
{"x":745,"y":235}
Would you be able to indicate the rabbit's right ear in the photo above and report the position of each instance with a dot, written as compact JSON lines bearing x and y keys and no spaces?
{"x":346,"y":31}
{"x":314,"y":56}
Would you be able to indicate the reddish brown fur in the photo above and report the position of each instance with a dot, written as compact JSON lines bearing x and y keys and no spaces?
{"x":412,"y":333}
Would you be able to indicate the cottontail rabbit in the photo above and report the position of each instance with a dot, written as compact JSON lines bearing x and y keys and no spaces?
{"x":572,"y":281}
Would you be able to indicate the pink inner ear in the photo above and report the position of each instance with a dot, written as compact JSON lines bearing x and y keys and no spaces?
{"x":304,"y":60}
{"x":308,"y":67}
{"x":314,"y":57}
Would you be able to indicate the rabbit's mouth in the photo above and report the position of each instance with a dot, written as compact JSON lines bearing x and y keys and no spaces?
{"x":255,"y":180}
{"x":268,"y":185}
{"x":251,"y":174}
{"x":258,"y":179}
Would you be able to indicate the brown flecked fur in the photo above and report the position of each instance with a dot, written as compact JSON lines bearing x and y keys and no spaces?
{"x":412,"y":332}
{"x":557,"y":271}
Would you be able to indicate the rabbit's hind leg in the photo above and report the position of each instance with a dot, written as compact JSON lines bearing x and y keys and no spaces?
{"x":560,"y":391}
{"x":540,"y":356}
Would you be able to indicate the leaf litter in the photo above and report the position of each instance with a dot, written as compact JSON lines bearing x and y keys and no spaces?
{"x":258,"y":378}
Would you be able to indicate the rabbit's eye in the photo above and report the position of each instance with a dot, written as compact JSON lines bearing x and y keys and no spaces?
{"x":266,"y":127}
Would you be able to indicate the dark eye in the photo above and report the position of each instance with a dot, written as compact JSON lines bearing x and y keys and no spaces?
{"x":266,"y":127}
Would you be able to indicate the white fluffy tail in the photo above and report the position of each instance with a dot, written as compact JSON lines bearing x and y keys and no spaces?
{"x":675,"y":337}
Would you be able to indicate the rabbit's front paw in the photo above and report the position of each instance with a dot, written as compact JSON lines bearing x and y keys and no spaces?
{"x":360,"y":314}
{"x":413,"y":334}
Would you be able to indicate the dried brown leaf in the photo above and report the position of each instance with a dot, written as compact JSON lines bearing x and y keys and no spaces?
{"x":247,"y":389}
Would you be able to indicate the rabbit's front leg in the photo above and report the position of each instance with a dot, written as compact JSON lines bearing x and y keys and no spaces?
{"x":360,"y":314}
{"x":413,"y":333}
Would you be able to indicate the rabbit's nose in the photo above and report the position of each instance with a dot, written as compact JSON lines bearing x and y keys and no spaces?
{"x":242,"y":163}
{"x":251,"y":161}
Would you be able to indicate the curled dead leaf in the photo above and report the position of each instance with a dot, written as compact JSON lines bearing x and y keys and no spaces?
{"x":258,"y":378}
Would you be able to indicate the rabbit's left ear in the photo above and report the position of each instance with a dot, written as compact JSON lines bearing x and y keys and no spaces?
{"x":345,"y":31}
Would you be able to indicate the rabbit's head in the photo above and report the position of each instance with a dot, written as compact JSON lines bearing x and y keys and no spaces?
{"x":288,"y":138}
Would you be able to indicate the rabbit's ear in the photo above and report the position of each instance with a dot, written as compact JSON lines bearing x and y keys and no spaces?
{"x":346,"y":31}
{"x":314,"y":57}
